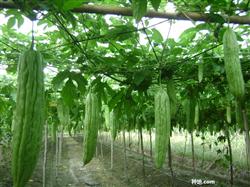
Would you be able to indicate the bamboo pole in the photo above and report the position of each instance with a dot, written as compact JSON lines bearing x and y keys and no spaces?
{"x":124,"y":11}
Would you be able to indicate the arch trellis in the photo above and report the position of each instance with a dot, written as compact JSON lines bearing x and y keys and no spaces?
{"x":124,"y":11}
{"x":128,"y":83}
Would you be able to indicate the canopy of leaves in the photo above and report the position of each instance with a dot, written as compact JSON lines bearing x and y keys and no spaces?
{"x":108,"y":54}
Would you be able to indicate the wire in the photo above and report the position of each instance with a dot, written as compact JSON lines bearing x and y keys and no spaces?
{"x":13,"y":48}
{"x":150,"y":43}
{"x":89,"y":39}
{"x":32,"y":36}
{"x":103,"y":36}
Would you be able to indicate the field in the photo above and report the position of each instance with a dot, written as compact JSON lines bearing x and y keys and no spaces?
{"x":124,"y":93}
{"x":129,"y":171}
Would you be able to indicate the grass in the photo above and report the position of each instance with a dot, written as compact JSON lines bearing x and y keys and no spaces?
{"x":212,"y":146}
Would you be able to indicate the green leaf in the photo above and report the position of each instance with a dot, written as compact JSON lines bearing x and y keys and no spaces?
{"x":116,"y":99}
{"x":10,"y":12}
{"x":11,"y":22}
{"x":157,"y":37}
{"x":108,"y":89}
{"x":119,"y":33}
{"x":58,"y":3}
{"x":2,"y":105}
{"x":203,"y":26}
{"x":139,"y":77}
{"x":188,"y":35}
{"x":71,"y":4}
{"x":12,"y":68}
{"x":81,"y":81}
{"x":59,"y":78}
{"x":216,"y":17}
{"x":239,"y":38}
{"x":155,"y":4}
{"x":139,"y":9}
{"x":20,"y":21}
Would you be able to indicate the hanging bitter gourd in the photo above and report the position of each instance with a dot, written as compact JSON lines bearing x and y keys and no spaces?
{"x":106,"y":116}
{"x":197,"y":114}
{"x":162,"y":126}
{"x":232,"y":64}
{"x":200,"y":71}
{"x":29,"y":116}
{"x":91,"y":126}
{"x":228,"y":114}
{"x":113,"y":124}
{"x":63,"y":113}
{"x":190,"y":113}
{"x":172,"y":97}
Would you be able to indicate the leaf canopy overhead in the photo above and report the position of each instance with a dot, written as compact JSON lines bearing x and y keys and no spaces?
{"x":123,"y":58}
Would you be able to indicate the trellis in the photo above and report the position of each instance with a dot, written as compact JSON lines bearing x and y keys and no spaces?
{"x":124,"y":11}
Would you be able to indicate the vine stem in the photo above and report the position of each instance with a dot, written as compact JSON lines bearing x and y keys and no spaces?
{"x":227,"y":134}
{"x":170,"y":161}
{"x":247,"y":138}
{"x":112,"y":153}
{"x":185,"y":147}
{"x":45,"y":153}
{"x":125,"y":155}
{"x":193,"y":156}
{"x":143,"y":157}
{"x":164,"y":47}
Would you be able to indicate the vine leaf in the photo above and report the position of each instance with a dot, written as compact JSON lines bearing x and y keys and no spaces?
{"x":118,"y":33}
{"x":139,"y":9}
{"x":116,"y":98}
{"x":155,"y":4}
{"x":216,"y":17}
{"x":20,"y":21}
{"x":11,"y":22}
{"x":80,"y":80}
{"x":59,"y":78}
{"x":156,"y":36}
{"x":71,"y":4}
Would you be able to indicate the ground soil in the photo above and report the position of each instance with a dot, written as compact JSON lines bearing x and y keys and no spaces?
{"x":71,"y":172}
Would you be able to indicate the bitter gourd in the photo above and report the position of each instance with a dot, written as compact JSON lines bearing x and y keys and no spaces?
{"x":29,"y":116}
{"x":162,"y":126}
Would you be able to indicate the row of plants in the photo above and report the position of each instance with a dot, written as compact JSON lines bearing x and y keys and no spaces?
{"x":199,"y":82}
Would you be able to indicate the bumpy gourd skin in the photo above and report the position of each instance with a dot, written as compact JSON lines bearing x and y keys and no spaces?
{"x":197,"y":113}
{"x":113,"y":124}
{"x":228,"y":113}
{"x":63,"y":113}
{"x":91,"y":125}
{"x":190,"y":113}
{"x":162,"y":126}
{"x":171,"y":91}
{"x":232,"y":64}
{"x":28,"y":118}
{"x":200,"y":71}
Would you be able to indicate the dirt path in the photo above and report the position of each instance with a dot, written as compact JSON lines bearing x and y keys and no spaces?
{"x":116,"y":176}
{"x":97,"y":173}
{"x":93,"y":174}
